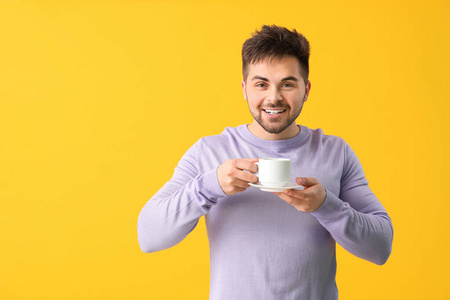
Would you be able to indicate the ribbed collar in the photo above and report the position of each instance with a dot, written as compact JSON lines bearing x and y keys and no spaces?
{"x":278,"y":145}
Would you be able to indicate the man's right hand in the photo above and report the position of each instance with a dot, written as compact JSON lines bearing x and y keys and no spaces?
{"x":233,"y":177}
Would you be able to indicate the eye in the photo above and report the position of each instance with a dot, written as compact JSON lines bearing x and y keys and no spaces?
{"x":288,"y":85}
{"x":261,"y":84}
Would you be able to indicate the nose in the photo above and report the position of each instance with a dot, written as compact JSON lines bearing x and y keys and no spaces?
{"x":274,"y":95}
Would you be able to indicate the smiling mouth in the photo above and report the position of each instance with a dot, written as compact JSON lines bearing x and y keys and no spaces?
{"x":274,"y":112}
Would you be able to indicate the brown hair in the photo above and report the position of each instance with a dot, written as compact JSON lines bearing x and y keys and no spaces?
{"x":276,"y":42}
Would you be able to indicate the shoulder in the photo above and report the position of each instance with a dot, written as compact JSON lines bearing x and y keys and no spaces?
{"x":207,"y":146}
{"x":227,"y":135}
{"x":318,"y":137}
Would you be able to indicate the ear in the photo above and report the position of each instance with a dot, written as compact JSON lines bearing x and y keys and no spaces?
{"x":243,"y":89}
{"x":307,"y":90}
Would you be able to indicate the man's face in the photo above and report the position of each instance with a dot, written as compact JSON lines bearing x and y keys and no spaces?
{"x":275,"y":92}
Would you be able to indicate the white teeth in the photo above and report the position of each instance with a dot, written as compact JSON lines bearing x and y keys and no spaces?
{"x":273,"y":112}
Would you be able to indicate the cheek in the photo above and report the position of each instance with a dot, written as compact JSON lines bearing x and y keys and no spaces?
{"x":254,"y":99}
{"x":252,"y":103}
{"x":259,"y":96}
{"x":296,"y":99}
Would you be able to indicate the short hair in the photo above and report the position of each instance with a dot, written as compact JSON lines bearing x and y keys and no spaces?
{"x":276,"y":42}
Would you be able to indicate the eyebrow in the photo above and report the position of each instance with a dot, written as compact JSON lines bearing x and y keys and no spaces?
{"x":293,"y":78}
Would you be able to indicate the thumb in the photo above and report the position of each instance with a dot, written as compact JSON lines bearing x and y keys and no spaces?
{"x":306,"y":181}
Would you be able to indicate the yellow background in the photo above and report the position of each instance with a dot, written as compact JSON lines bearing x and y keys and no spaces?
{"x":100,"y":99}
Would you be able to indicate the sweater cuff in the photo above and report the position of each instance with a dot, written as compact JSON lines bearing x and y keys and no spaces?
{"x":330,"y":208}
{"x":209,"y":187}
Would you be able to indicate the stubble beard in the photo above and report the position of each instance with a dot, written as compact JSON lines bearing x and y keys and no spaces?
{"x":274,"y":126}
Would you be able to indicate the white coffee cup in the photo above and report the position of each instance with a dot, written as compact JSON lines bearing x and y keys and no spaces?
{"x":274,"y":172}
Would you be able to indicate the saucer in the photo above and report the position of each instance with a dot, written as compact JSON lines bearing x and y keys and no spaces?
{"x":264,"y":188}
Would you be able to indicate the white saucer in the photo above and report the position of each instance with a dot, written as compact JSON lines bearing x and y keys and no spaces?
{"x":263,"y":188}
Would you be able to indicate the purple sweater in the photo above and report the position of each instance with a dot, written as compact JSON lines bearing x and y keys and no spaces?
{"x":260,"y":246}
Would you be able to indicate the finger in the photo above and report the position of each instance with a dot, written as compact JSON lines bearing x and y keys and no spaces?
{"x":307,"y":194}
{"x":240,"y":183}
{"x":247,"y":164}
{"x":307,"y":181}
{"x":299,"y":194}
{"x":288,"y":198}
{"x":252,"y":159}
{"x":247,"y":176}
{"x":289,"y":195}
{"x":295,"y":199}
{"x":239,"y":189}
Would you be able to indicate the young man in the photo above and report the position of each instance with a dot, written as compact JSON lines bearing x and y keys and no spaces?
{"x":261,"y":246}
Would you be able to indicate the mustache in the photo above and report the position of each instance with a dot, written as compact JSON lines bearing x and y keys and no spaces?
{"x":275,"y":105}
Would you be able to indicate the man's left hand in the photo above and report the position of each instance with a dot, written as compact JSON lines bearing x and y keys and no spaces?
{"x":307,"y":200}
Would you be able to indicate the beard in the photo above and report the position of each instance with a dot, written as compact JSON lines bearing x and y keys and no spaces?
{"x":275,"y":126}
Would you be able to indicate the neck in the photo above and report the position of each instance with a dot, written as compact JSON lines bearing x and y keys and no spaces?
{"x":260,"y":132}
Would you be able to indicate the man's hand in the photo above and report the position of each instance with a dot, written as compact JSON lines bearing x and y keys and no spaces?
{"x":233,"y":177}
{"x":307,"y":200}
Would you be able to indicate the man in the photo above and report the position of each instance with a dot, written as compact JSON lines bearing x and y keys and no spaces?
{"x":262,"y":247}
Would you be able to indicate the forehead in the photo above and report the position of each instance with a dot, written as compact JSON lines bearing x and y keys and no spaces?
{"x":285,"y":66}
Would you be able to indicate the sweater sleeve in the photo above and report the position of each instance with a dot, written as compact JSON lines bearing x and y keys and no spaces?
{"x":173,"y":212}
{"x":356,"y":219}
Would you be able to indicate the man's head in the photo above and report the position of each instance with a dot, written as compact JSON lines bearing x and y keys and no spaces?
{"x":275,"y":85}
{"x":273,"y":42}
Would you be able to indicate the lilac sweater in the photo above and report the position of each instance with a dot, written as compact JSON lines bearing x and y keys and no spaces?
{"x":260,"y":246}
